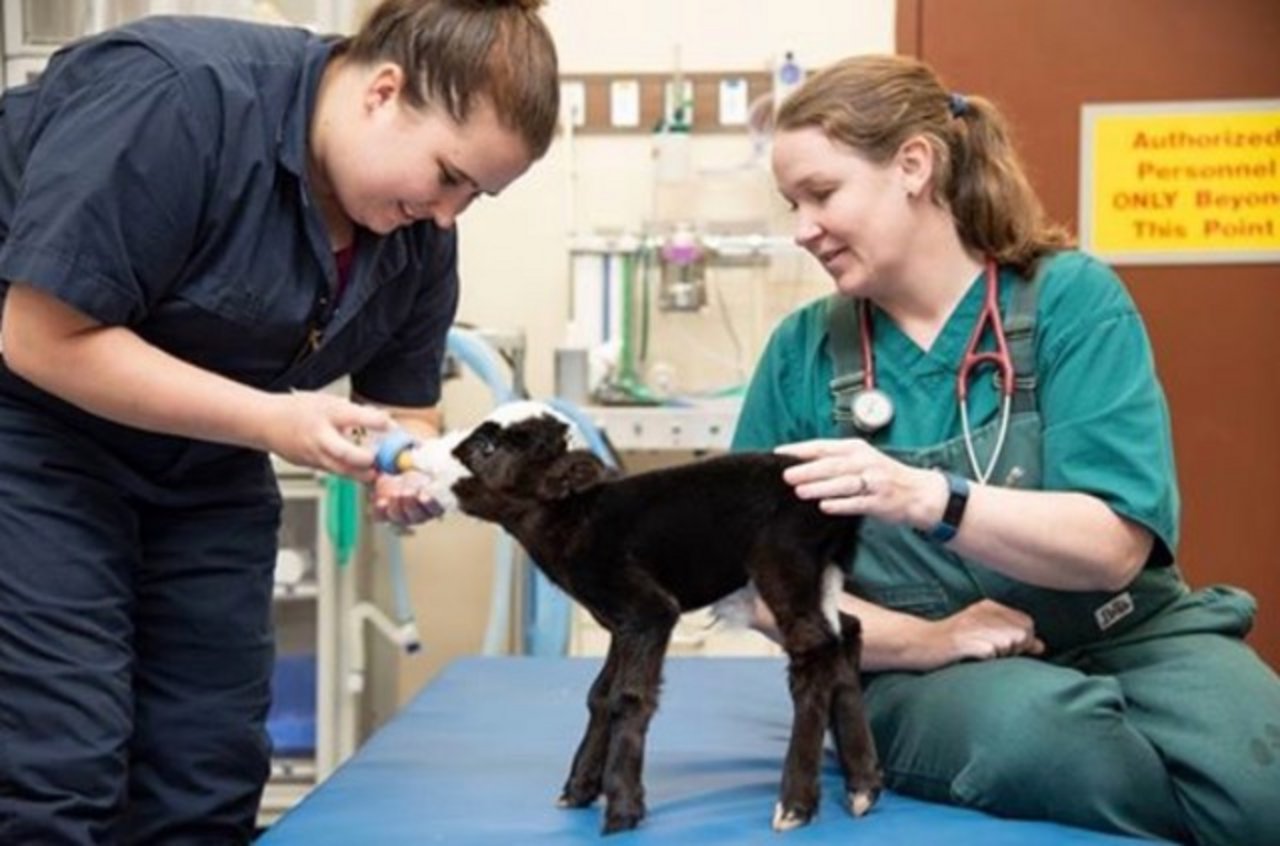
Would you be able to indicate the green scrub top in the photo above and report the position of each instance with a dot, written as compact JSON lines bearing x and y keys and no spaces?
{"x":1106,"y":423}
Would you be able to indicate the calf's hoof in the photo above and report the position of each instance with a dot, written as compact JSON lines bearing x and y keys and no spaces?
{"x":577,"y":797}
{"x":786,"y":818}
{"x":863,"y":789}
{"x":616,"y":820}
{"x":860,"y":801}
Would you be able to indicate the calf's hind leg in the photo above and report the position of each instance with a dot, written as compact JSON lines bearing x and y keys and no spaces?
{"x":854,"y":745}
{"x":794,"y":593}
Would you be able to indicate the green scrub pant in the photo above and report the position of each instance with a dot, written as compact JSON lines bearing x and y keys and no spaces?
{"x":1171,"y":731}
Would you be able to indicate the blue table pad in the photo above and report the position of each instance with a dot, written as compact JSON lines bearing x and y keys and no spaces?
{"x":480,"y":755}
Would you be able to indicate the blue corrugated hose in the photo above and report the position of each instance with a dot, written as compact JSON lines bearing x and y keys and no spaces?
{"x":546,"y":608}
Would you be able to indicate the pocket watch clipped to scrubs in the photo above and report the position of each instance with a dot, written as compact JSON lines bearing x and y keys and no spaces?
{"x":872,"y":409}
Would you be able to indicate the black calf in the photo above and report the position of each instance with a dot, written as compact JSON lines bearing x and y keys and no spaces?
{"x":638,"y":551}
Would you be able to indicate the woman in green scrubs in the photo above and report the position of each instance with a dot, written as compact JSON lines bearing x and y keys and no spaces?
{"x":1030,"y":647}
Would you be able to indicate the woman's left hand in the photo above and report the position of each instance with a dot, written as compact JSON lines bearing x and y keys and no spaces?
{"x":850,"y":476}
{"x":404,"y":499}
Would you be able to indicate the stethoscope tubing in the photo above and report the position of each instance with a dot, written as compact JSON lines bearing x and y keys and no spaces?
{"x":1006,"y":412}
{"x":1000,"y":357}
{"x":972,"y":358}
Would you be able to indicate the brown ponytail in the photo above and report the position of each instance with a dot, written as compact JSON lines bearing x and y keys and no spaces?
{"x":873,"y":104}
{"x":455,"y":51}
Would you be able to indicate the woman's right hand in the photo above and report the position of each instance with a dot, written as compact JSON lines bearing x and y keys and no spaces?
{"x":986,"y":629}
{"x":894,"y":640}
{"x":312,"y":429}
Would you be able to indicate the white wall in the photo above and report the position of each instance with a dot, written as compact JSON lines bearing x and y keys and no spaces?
{"x":514,"y":258}
{"x":601,"y":36}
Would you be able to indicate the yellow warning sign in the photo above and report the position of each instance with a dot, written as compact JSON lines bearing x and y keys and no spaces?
{"x":1174,"y":183}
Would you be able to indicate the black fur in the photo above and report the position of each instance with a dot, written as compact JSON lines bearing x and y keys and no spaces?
{"x":637,"y":551}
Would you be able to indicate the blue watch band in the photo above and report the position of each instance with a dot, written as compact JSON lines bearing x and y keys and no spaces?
{"x":957,"y":498}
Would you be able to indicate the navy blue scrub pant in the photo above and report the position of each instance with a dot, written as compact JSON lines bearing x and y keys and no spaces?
{"x":135,"y":643}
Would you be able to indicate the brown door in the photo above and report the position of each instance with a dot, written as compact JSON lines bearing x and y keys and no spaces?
{"x":1216,"y":328}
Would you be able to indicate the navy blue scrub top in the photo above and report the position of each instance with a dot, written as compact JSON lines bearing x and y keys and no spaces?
{"x":155,"y":177}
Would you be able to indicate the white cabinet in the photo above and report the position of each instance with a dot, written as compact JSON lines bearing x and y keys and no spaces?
{"x":313,"y":595}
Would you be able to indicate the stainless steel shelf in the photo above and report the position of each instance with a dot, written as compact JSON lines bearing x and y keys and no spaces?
{"x":703,"y":426}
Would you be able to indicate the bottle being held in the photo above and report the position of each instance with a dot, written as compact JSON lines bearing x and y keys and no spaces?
{"x":400,"y":452}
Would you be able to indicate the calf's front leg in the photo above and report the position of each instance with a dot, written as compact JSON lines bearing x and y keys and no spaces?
{"x":632,"y":702}
{"x":583,"y":784}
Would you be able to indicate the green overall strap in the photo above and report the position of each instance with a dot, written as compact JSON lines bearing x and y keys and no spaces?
{"x":844,"y":345}
{"x":1020,"y":334}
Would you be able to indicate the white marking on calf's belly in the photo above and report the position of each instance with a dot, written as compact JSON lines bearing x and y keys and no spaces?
{"x":738,"y":609}
{"x":832,"y":587}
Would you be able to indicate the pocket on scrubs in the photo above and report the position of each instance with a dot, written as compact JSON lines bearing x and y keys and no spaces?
{"x":236,"y":300}
{"x":248,"y":329}
{"x":348,"y":348}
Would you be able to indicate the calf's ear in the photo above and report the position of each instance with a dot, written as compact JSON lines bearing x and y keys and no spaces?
{"x":571,"y":473}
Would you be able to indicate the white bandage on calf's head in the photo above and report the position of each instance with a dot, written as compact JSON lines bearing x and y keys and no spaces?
{"x":434,"y":458}
{"x":513,"y":412}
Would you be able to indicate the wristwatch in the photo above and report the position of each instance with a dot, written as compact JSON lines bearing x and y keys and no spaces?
{"x":957,"y":498}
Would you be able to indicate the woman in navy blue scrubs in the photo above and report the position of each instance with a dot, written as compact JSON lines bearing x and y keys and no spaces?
{"x":203,"y":223}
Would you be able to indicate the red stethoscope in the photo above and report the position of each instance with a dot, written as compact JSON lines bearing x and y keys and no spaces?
{"x":873,"y":410}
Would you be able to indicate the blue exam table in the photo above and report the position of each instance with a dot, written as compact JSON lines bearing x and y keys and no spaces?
{"x":480,"y":755}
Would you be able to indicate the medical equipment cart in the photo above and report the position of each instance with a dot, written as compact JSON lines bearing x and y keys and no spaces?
{"x":313,"y":596}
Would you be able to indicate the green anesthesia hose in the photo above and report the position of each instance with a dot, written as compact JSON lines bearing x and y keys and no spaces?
{"x":628,"y":380}
{"x":627,"y":364}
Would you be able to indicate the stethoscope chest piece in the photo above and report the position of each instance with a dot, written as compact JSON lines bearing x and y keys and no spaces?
{"x":872,"y":410}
